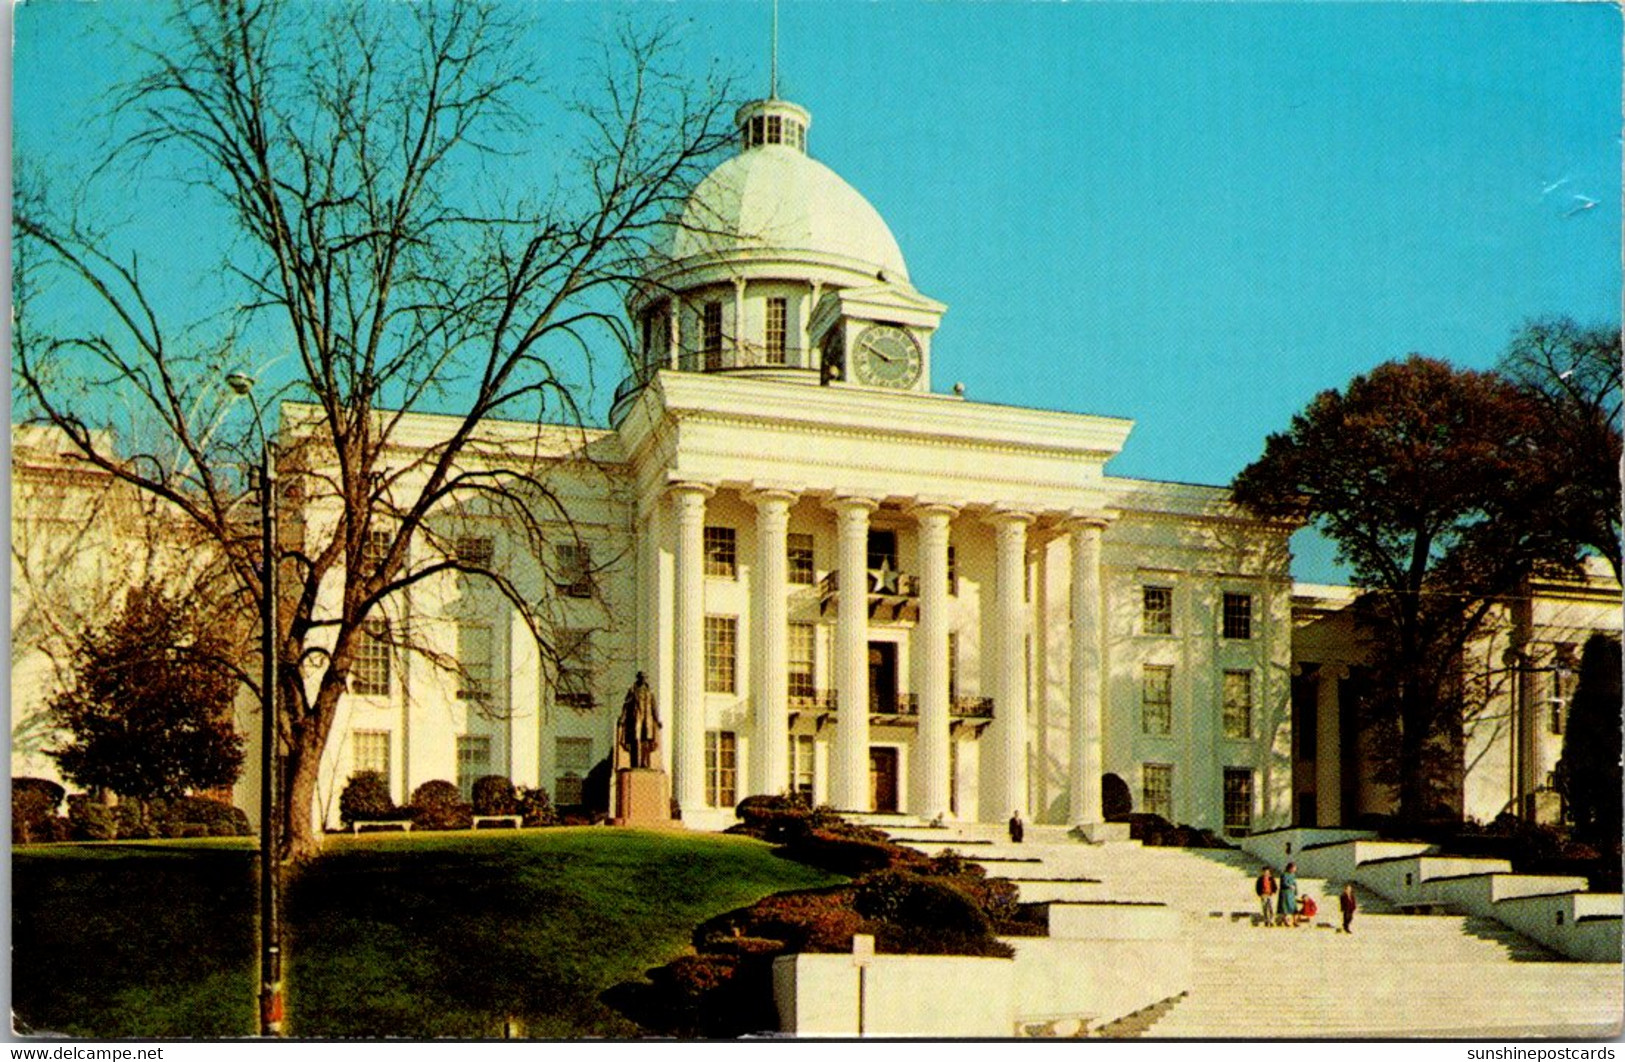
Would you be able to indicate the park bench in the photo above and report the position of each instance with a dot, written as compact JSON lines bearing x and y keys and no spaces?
{"x":382,"y":824}
{"x":515,"y":821}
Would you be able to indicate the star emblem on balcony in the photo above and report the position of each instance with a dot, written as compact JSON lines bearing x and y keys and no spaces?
{"x":884,"y":578}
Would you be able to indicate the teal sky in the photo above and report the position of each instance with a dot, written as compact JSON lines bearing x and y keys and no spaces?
{"x":1196,"y":216}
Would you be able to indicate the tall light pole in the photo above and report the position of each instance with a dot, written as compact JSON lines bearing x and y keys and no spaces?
{"x":270,"y":920}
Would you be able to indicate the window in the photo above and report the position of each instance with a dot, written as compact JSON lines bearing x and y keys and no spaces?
{"x":1238,"y":704}
{"x":1562,"y":690}
{"x":721,"y":639}
{"x":369,"y":751}
{"x":953,"y":572}
{"x":803,"y":764}
{"x":575,"y":669}
{"x":721,"y":768}
{"x":721,"y":552}
{"x":775,"y":129}
{"x":1157,"y":699}
{"x":1238,"y":800}
{"x":473,"y":762}
{"x":711,"y":335}
{"x":369,"y":675}
{"x":572,"y":563}
{"x":1157,"y":616}
{"x":572,"y":759}
{"x":883,"y":549}
{"x":1238,"y":615}
{"x":776,"y":312}
{"x":474,"y":550}
{"x":953,"y":666}
{"x":473,"y":662}
{"x":799,"y":557}
{"x":374,"y":548}
{"x":1157,"y":789}
{"x":754,"y":137}
{"x":800,"y":662}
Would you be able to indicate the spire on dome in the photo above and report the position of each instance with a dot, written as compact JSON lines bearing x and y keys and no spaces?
{"x":773,"y":78}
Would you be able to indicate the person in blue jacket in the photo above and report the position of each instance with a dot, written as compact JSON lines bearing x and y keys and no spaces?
{"x":1287,"y":902}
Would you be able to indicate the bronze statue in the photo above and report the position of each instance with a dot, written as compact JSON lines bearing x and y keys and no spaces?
{"x":638,"y":734}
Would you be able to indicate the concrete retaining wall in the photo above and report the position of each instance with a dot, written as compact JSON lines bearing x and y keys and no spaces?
{"x":1477,"y":895}
{"x":1277,"y":847}
{"x":1584,"y":926}
{"x":895,"y":995}
{"x":1405,"y":880}
{"x":1337,"y":862}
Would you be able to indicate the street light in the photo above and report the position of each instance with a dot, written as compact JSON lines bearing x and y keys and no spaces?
{"x":270,"y":922}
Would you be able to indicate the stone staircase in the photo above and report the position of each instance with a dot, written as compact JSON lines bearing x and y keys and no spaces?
{"x":1397,"y":976}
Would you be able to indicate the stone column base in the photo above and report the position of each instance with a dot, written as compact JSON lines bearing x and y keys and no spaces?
{"x":1101,"y":832}
{"x":643,"y":798}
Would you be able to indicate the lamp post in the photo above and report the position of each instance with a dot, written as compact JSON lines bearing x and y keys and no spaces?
{"x":270,"y":920}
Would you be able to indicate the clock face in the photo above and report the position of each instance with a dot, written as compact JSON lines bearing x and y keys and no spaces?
{"x":886,"y":356}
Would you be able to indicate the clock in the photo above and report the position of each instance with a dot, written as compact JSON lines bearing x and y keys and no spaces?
{"x":886,"y":356}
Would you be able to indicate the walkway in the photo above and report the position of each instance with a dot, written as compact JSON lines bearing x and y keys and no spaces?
{"x":1397,"y":976}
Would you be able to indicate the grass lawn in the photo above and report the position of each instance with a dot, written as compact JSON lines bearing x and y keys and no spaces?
{"x":390,"y":935}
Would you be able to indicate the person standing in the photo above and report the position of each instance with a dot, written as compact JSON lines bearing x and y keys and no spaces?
{"x":1265,"y":887}
{"x":1017,"y":829}
{"x":1349,"y":905}
{"x":1287,"y":901}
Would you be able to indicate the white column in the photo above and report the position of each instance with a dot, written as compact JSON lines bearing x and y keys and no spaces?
{"x":1087,"y":703}
{"x":1009,"y":728}
{"x":674,"y":333}
{"x":930,"y":769}
{"x":1328,"y":746}
{"x":739,"y":321}
{"x":770,"y":748}
{"x":849,"y":773}
{"x":688,"y":754}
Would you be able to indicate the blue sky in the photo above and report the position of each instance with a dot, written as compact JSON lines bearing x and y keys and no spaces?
{"x":1196,"y":216}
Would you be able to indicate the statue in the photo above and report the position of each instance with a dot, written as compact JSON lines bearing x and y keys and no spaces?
{"x":642,"y":797}
{"x":638,"y":735}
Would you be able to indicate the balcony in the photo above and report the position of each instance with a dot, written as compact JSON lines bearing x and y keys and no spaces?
{"x":817,"y":705}
{"x":894,"y":597}
{"x":901,"y":708}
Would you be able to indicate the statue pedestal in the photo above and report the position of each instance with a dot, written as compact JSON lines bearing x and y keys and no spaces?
{"x":642,"y":798}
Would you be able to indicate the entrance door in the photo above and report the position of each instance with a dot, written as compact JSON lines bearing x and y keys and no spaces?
{"x":883,"y":677}
{"x":883,"y":779}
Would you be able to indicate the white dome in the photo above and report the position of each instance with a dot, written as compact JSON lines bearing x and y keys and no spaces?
{"x":774,"y":198}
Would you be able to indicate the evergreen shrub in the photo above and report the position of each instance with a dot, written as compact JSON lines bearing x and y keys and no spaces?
{"x":366,"y":798}
{"x":438,"y":805}
{"x":494,"y":795}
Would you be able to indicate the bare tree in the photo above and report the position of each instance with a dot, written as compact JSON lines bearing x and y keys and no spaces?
{"x":1572,"y":375}
{"x":347,"y":144}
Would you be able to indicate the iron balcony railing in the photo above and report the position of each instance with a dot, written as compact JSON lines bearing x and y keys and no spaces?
{"x":898,"y":705}
{"x":971,"y":708}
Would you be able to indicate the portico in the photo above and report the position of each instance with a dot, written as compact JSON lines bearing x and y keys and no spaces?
{"x":916,"y":604}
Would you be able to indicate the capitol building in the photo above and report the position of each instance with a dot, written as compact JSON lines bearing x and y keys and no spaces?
{"x":844,"y":578}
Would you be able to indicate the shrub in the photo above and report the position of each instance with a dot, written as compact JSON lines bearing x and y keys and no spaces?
{"x":33,"y":809}
{"x":365,"y":798}
{"x":217,"y":818}
{"x":775,"y":819}
{"x":838,"y":854}
{"x":438,"y":805}
{"x":89,"y":820}
{"x":595,"y":787}
{"x":129,"y":822}
{"x":1116,"y":799}
{"x":494,"y":795}
{"x":906,"y":899}
{"x":535,"y":807}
